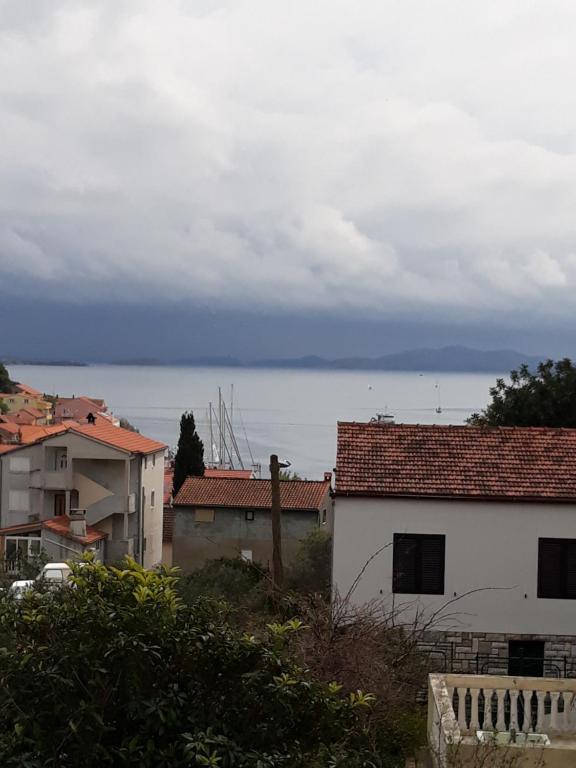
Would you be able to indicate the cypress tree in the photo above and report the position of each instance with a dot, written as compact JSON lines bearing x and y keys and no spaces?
{"x":190,"y":454}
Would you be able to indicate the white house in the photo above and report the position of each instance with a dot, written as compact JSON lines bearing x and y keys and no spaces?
{"x":473,"y":526}
{"x":115,"y":475}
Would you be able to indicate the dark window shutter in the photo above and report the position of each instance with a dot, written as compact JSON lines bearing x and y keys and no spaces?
{"x":405,"y":564}
{"x":418,"y":564}
{"x":550,"y":556}
{"x":570,"y":569}
{"x":432,"y":568}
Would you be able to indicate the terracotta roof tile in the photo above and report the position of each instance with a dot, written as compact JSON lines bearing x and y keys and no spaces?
{"x":254,"y":494}
{"x":117,"y":437}
{"x":58,"y":525}
{"x":530,"y":463}
{"x":61,"y":527}
{"x":168,"y":483}
{"x":27,"y":390}
{"x":6,"y":448}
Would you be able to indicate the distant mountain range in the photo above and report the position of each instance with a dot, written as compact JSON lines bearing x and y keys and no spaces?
{"x":455,"y":359}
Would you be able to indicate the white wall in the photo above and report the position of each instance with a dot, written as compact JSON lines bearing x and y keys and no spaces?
{"x":487,"y":545}
{"x":153,"y":480}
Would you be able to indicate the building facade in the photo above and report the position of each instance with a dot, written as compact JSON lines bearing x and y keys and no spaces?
{"x":114,"y":475}
{"x":470,"y":529}
{"x":216,"y":517}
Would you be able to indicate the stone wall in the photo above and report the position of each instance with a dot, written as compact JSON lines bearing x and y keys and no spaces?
{"x":463,"y":651}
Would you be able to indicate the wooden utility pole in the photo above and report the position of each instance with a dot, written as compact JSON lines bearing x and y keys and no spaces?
{"x":277,"y":568}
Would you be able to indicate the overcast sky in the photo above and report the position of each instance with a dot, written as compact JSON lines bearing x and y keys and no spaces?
{"x":355,"y":158}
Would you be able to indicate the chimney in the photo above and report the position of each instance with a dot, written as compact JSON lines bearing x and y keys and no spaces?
{"x":327,"y":477}
{"x":78,"y":522}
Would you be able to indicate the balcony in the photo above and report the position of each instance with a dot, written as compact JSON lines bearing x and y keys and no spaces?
{"x":51,"y":481}
{"x":491,"y":721}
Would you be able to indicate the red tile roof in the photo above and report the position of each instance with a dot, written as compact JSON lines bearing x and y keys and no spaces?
{"x":255,"y":494}
{"x":27,"y":390}
{"x":105,"y":432}
{"x":6,"y":448}
{"x":58,"y":525}
{"x":61,"y":527}
{"x":528,"y":463}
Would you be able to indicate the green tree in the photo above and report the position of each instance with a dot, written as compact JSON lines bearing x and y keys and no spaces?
{"x":116,"y":671}
{"x":287,"y":475}
{"x":544,"y":398}
{"x":190,"y":454}
{"x":311,"y":571}
{"x":7,"y":386}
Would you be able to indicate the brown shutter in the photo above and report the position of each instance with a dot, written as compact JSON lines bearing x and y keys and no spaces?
{"x":432,"y":568}
{"x":550,"y":557}
{"x":405,"y":565}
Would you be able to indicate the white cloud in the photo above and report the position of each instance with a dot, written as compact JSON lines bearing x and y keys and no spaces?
{"x":326,"y":154}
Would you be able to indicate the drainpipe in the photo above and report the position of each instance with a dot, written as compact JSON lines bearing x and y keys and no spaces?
{"x":140,"y":513}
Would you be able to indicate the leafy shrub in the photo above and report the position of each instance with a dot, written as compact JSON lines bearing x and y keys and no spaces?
{"x":311,"y":571}
{"x":241,"y":584}
{"x":117,"y":671}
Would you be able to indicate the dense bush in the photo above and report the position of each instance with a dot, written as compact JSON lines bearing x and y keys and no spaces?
{"x":311,"y":570}
{"x":242,"y":585}
{"x":117,"y":671}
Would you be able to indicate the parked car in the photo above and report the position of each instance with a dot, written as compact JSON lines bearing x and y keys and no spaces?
{"x":51,"y":573}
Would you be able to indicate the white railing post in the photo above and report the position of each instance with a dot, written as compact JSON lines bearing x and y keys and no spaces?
{"x":487,"y":723}
{"x":554,"y":719}
{"x":501,"y":720}
{"x":474,"y":721}
{"x":514,"y":693}
{"x":462,"y":709}
{"x":540,"y":717}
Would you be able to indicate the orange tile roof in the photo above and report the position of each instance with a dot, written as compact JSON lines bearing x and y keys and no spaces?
{"x":168,"y":483}
{"x":27,"y":390}
{"x":31,"y":434}
{"x":527,"y":463}
{"x":61,"y":527}
{"x":58,"y":525}
{"x":255,"y":494}
{"x":6,"y":448}
{"x":124,"y":439}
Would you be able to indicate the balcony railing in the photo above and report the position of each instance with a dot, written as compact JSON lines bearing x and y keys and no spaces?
{"x":462,"y":706}
{"x":51,"y":481}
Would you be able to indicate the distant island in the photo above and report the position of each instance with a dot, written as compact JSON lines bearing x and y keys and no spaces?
{"x":11,"y":360}
{"x":455,"y":359}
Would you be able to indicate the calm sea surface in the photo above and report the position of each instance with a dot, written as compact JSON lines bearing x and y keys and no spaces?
{"x":291,"y":413}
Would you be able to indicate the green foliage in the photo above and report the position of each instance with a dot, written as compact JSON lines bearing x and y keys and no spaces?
{"x":3,"y":407}
{"x":311,"y":570}
{"x":242,"y":585}
{"x":546,"y":398}
{"x":116,"y":671}
{"x":190,"y":454}
{"x":6,"y":384}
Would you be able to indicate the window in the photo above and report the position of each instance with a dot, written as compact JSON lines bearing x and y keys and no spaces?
{"x":557,"y":568}
{"x":418,"y":564}
{"x":153,"y":459}
{"x":145,"y":462}
{"x":19,"y":464}
{"x":203,"y":515}
{"x":19,"y":501}
{"x":22,"y":546}
{"x":152,"y":498}
{"x":249,"y":515}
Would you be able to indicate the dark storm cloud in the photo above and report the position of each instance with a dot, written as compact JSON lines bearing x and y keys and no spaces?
{"x":330,"y":156}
